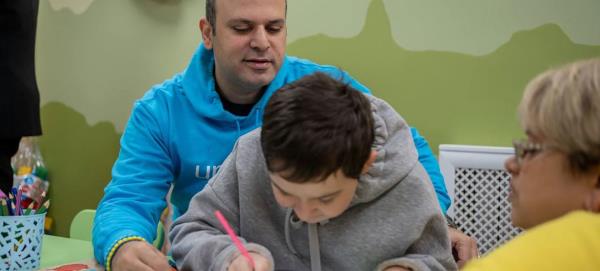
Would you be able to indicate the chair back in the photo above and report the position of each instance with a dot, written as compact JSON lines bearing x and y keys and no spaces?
{"x":81,"y":228}
{"x":81,"y":225}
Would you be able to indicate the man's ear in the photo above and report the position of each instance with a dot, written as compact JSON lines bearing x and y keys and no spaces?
{"x":369,"y":162}
{"x":207,"y":33}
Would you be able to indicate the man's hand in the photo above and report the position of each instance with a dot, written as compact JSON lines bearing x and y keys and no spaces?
{"x":464,"y":246}
{"x":240,"y":263}
{"x":139,"y":255}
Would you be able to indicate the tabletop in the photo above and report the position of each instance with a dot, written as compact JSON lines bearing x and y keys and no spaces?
{"x":58,"y":251}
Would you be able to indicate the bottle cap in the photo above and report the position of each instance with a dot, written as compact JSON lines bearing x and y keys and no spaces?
{"x":41,"y":172}
{"x":23,"y":170}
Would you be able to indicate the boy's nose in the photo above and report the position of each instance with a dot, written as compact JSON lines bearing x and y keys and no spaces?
{"x":303,"y":211}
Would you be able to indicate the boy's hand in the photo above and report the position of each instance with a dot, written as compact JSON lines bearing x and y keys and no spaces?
{"x":464,"y":246}
{"x":240,"y":263}
{"x":139,"y":255}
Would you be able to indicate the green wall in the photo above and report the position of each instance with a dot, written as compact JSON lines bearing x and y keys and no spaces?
{"x":450,"y":97}
{"x":455,"y":73}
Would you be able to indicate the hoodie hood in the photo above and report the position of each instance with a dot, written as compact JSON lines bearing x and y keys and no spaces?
{"x":396,"y":157}
{"x":396,"y":153}
{"x":199,"y":86}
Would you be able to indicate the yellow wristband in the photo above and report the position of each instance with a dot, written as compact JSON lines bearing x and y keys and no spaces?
{"x":117,"y":245}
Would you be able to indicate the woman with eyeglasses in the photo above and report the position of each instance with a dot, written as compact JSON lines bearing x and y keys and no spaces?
{"x":555,"y":184}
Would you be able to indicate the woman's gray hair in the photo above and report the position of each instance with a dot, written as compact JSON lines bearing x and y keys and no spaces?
{"x":563,"y":106}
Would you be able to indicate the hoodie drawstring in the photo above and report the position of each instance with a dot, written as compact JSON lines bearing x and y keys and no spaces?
{"x":313,"y":238}
{"x":313,"y":244}
{"x":239,"y":129}
{"x":257,"y":123}
{"x":288,"y":223}
{"x":257,"y":118}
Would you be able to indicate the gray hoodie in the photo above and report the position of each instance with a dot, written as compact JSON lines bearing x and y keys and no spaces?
{"x":394,"y":218}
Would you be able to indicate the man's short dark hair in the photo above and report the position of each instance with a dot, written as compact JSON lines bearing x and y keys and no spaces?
{"x":211,"y":13}
{"x":315,"y":126}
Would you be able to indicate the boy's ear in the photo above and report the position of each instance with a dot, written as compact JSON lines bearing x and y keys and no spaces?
{"x":207,"y":33}
{"x":369,"y":162}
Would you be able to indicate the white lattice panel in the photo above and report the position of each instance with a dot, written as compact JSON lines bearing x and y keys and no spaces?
{"x":481,"y":207}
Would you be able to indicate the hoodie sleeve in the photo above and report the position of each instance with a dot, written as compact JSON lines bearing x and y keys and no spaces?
{"x":124,"y":212}
{"x":198,"y":240}
{"x":428,"y":252}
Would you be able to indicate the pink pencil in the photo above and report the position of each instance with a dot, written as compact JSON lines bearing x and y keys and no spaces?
{"x":234,"y":238}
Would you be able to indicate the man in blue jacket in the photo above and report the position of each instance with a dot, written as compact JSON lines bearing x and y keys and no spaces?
{"x":180,"y":131}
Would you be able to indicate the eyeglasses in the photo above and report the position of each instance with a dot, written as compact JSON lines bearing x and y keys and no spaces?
{"x":523,"y":147}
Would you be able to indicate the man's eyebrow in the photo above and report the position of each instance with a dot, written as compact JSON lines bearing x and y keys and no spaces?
{"x":239,"y":20}
{"x":246,"y":21}
{"x":277,"y":21}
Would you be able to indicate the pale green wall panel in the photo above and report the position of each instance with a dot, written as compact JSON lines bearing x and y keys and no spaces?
{"x":112,"y":53}
{"x":479,"y":27}
{"x":79,"y":157}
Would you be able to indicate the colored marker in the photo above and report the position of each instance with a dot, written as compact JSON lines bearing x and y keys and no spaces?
{"x":234,"y":238}
{"x":18,"y":211}
{"x":44,"y":207}
{"x":41,"y":200}
{"x":13,"y":209}
{"x":3,"y":208}
{"x":29,"y":208}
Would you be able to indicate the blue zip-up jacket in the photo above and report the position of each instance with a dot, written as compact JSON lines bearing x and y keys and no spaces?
{"x":179,"y":134}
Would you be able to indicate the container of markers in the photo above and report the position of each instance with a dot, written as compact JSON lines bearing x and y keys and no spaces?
{"x":21,"y":241}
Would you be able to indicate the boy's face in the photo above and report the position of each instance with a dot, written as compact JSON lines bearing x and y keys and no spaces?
{"x":315,"y":201}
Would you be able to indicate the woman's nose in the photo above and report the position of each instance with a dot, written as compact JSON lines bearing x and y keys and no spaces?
{"x":511,"y":165}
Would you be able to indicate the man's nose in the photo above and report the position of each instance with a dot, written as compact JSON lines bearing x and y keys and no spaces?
{"x":260,"y":39}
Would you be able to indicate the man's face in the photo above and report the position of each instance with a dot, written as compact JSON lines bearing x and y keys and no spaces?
{"x":249,"y":42}
{"x":315,"y":201}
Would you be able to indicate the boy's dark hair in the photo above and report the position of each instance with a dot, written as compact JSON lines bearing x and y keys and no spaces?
{"x":315,"y":126}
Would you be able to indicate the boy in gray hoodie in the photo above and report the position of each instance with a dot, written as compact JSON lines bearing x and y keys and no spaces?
{"x":331,"y":182}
